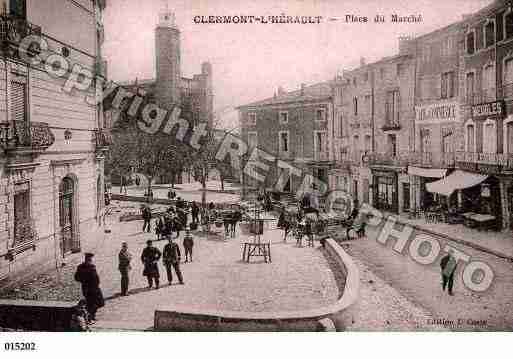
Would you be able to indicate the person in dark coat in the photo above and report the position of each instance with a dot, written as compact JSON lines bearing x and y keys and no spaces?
{"x":88,"y":277}
{"x":195,"y":212}
{"x":146,"y":215}
{"x":448,"y":267}
{"x":171,"y":258}
{"x":150,"y":257}
{"x":124,"y":267}
{"x":188,"y":243}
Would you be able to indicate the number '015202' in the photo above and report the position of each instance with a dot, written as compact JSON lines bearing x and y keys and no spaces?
{"x":19,"y":346}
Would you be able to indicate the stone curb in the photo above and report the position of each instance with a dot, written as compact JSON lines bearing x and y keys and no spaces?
{"x":176,"y":318}
{"x":457,"y":240}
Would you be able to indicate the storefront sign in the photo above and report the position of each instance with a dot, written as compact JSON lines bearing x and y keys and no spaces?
{"x":437,"y":113}
{"x":384,"y":174}
{"x":483,"y":110}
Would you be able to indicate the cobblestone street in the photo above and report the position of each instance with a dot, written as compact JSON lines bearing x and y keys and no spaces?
{"x":421,"y":285}
{"x":298,"y":278}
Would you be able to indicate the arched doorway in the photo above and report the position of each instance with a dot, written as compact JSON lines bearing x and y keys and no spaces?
{"x":66,"y":215}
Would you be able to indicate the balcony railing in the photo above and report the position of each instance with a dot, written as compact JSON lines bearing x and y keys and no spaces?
{"x":15,"y":134}
{"x":13,"y":30}
{"x":102,"y":139}
{"x":481,"y":96}
{"x":389,"y":159}
{"x":321,"y":156}
{"x":391,"y":118}
{"x":504,"y":160}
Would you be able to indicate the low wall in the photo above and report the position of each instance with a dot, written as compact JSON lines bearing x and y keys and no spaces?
{"x":142,"y":199}
{"x":181,"y":318}
{"x":36,"y":316}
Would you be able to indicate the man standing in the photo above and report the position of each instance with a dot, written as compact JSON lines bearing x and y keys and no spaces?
{"x":146,"y":215}
{"x":150,"y":257}
{"x":195,"y":212}
{"x":88,"y":277}
{"x":448,"y":266}
{"x":171,"y":258}
{"x":124,"y":267}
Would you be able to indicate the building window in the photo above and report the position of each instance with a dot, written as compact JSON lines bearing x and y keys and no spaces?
{"x":470,"y":43}
{"x":355,"y":105}
{"x":284,"y":117}
{"x":470,"y":145}
{"x":399,"y":70}
{"x":489,"y":82}
{"x":366,"y":76}
{"x":447,"y":46}
{"x":382,"y":73}
{"x":252,"y":139}
{"x":489,"y":33}
{"x":469,"y":87}
{"x":392,"y":108}
{"x":23,"y":230}
{"x":319,"y":141}
{"x":508,"y":78}
{"x":367,"y":143}
{"x":19,"y":97}
{"x":426,"y":53}
{"x":368,"y":103}
{"x":284,"y":141}
{"x":508,"y":25}
{"x":425,"y":140}
{"x":320,"y":115}
{"x":489,"y":136}
{"x":341,"y":126}
{"x":447,"y":85}
{"x":252,"y":119}
{"x":354,"y":81}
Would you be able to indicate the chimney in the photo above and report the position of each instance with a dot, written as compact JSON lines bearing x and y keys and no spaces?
{"x":362,"y":61}
{"x":281,"y":91}
{"x":303,"y":89}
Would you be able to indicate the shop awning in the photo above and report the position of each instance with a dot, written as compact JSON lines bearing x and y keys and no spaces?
{"x":427,"y":172}
{"x":456,"y":180}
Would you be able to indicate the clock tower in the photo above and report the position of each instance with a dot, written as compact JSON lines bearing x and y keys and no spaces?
{"x":167,"y":55}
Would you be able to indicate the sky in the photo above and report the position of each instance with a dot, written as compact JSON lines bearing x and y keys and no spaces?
{"x":250,"y":61}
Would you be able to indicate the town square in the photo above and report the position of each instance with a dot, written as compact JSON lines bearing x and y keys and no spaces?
{"x":184,"y":166}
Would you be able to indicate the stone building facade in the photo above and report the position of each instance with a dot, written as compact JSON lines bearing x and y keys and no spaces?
{"x":373,"y":118}
{"x":294,"y":127}
{"x":51,"y":170}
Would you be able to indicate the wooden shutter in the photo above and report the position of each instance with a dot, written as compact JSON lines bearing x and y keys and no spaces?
{"x":18,"y":98}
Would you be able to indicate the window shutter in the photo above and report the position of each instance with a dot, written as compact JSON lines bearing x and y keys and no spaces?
{"x":18,"y":101}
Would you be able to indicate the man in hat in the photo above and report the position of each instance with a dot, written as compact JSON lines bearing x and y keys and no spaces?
{"x":188,"y":243}
{"x":88,"y":277}
{"x":150,"y":257}
{"x":448,"y":266}
{"x":171,"y":258}
{"x":124,"y":267}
